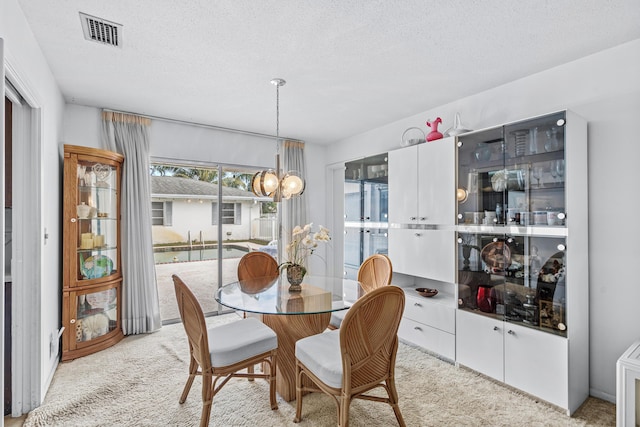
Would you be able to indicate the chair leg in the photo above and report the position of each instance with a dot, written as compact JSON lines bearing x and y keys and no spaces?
{"x":250,"y":371}
{"x":393,"y":401}
{"x":207,"y":399}
{"x":298,"y":416}
{"x":193,"y":369}
{"x":272,"y":380}
{"x":343,"y":411}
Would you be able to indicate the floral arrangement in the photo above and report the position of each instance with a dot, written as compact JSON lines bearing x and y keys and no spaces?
{"x":302,"y":245}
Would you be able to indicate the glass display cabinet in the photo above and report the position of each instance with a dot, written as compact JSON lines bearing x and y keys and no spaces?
{"x":522,"y":256}
{"x":92,"y":276}
{"x":366,"y":204}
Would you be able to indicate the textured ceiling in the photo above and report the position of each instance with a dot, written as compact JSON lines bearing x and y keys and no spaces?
{"x":350,"y":66}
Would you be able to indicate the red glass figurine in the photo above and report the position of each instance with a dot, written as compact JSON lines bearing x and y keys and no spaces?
{"x":434,"y":134}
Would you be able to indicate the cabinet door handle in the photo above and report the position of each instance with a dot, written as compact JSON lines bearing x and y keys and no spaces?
{"x":417,"y":304}
{"x":511,"y":332}
{"x":417,"y":328}
{"x":418,"y":234}
{"x":73,"y":220}
{"x":72,"y":321}
{"x":423,"y":218}
{"x":412,"y":218}
{"x":495,"y":328}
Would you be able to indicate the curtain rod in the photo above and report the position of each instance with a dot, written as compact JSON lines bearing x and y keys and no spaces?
{"x":184,"y":122}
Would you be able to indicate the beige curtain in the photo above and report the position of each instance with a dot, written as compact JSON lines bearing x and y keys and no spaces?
{"x":129,"y":135}
{"x":294,"y":210}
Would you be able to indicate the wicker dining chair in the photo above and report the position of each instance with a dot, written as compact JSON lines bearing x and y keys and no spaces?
{"x":219,"y":353}
{"x":360,"y":356}
{"x":374,"y":272}
{"x":257,"y":264}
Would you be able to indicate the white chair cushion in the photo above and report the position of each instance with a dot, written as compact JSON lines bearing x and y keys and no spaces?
{"x":337,"y":317}
{"x":237,"y":341}
{"x":321,"y":355}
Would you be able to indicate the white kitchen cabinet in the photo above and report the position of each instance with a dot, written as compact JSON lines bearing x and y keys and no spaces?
{"x":422,"y":184}
{"x":423,"y":253}
{"x":479,"y":344}
{"x":422,"y":210}
{"x":430,"y":323}
{"x":530,"y":360}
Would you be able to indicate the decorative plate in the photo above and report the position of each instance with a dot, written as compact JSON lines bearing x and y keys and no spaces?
{"x":101,"y":299}
{"x":496,"y":255}
{"x":96,"y":266}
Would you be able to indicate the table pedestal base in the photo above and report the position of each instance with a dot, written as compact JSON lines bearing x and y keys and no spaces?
{"x":289,"y":329}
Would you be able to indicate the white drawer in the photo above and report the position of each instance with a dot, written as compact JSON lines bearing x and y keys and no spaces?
{"x":429,"y":338}
{"x":435,"y":315}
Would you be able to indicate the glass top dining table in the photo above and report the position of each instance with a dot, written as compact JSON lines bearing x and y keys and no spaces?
{"x":291,"y":315}
{"x":320,"y":294}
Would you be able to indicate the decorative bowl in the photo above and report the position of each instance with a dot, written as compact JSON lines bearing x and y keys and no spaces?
{"x":427,"y":292}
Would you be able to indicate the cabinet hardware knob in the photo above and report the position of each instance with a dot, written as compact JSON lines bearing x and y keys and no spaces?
{"x":73,"y":220}
{"x":417,"y":328}
{"x":423,"y":218}
{"x":495,"y":328}
{"x":417,"y":304}
{"x":412,"y":218}
{"x":418,"y":234}
{"x":72,"y":321}
{"x":511,"y":332}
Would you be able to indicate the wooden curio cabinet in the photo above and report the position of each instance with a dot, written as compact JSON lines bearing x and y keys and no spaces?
{"x":92,"y":273}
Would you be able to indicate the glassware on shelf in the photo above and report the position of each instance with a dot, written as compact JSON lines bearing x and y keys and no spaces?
{"x":552,"y":141}
{"x":553,"y":170}
{"x":486,"y":299}
{"x":482,"y":152}
{"x":536,"y":173}
{"x":521,"y":138}
{"x":533,"y":141}
{"x":560,"y":169}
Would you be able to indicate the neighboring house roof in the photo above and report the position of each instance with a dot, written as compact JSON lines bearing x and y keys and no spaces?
{"x":176,"y":187}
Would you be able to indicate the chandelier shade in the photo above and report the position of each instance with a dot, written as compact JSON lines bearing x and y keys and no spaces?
{"x":276,"y":183}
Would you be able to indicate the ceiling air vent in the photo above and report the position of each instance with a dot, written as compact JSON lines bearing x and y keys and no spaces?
{"x":101,"y":31}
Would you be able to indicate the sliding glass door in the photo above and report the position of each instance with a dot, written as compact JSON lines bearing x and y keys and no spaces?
{"x":205,"y":218}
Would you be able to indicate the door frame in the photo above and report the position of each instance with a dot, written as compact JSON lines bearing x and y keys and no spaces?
{"x":26,"y":263}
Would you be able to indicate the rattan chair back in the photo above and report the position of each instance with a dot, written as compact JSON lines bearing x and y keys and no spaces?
{"x":375,"y":271}
{"x":369,"y":338}
{"x":194,"y":324}
{"x":368,"y":345}
{"x":257,"y":264}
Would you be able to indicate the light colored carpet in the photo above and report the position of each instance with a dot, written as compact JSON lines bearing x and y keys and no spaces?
{"x":138,"y":382}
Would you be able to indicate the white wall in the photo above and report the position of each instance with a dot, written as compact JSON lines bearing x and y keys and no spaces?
{"x":604,"y":89}
{"x":24,"y":58}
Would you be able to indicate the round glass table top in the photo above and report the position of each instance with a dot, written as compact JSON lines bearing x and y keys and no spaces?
{"x":263,"y":295}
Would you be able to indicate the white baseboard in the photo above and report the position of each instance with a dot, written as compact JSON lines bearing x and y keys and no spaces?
{"x":602,"y":395}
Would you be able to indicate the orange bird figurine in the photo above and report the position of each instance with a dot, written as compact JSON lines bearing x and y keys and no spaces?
{"x":434,"y":134}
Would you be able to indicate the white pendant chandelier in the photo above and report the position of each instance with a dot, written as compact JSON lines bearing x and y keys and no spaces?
{"x":276,"y":183}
